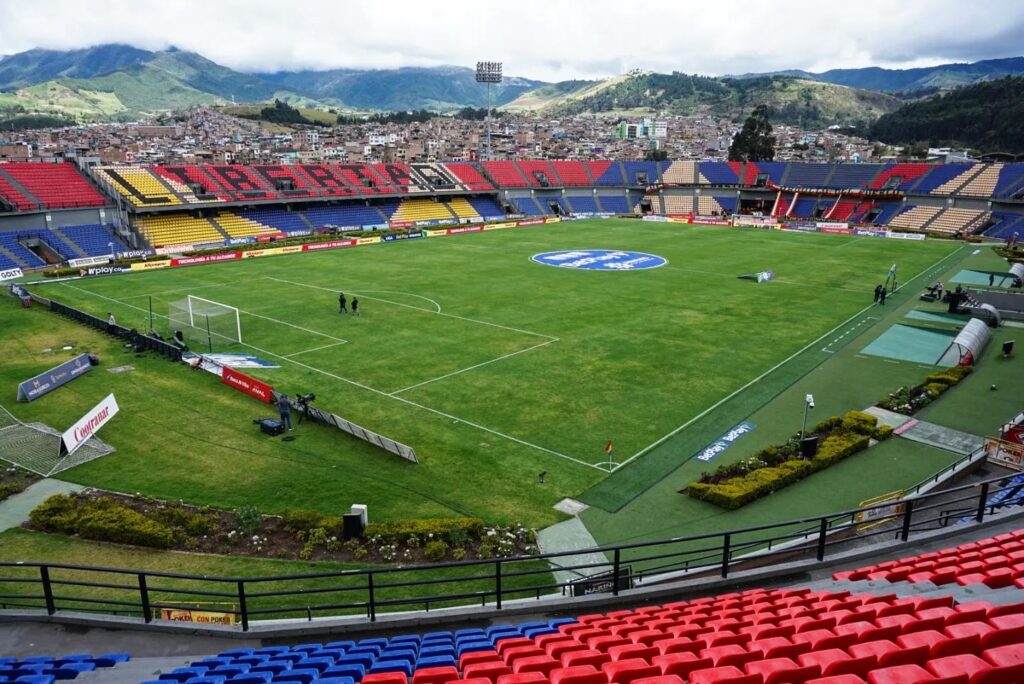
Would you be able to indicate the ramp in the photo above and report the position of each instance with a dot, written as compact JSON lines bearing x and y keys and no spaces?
{"x":942,"y":437}
{"x":910,"y":343}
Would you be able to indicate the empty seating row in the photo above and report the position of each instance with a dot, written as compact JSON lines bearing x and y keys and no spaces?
{"x":422,"y":209}
{"x":681,"y":173}
{"x":983,"y":184}
{"x":914,"y":217}
{"x":50,"y":186}
{"x":956,"y":220}
{"x":166,"y":230}
{"x":47,"y":669}
{"x":1011,"y":181}
{"x":277,"y":219}
{"x":995,"y":562}
{"x":92,"y":239}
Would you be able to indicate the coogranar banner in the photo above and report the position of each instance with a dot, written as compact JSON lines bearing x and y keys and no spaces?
{"x":33,"y":388}
{"x":88,"y":425}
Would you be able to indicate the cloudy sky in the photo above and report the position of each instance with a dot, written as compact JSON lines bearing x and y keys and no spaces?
{"x":544,"y":39}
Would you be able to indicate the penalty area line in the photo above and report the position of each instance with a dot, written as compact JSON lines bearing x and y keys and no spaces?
{"x":382,"y":393}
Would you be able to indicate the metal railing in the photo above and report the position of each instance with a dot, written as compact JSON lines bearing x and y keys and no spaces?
{"x":53,"y":587}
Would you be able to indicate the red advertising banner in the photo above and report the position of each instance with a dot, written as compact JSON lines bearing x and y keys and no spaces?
{"x":467,"y":229}
{"x":401,"y":224}
{"x":531,"y":222}
{"x":189,"y":261}
{"x":251,"y":386}
{"x":332,"y":244}
{"x":1015,"y":433}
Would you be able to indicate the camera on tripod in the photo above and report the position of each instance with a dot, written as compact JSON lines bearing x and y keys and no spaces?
{"x":303,"y":400}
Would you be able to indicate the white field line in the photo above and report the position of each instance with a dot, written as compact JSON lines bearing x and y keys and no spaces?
{"x":307,"y":351}
{"x":416,"y":308}
{"x":479,"y":365}
{"x":408,"y":294}
{"x":372,"y":389}
{"x":337,"y":340}
{"x":714,"y":406}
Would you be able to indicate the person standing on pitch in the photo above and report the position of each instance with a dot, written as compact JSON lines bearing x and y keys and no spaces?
{"x":341,"y":303}
{"x":284,"y":409}
{"x":355,"y":306}
{"x":881,"y":295}
{"x":878,"y":293}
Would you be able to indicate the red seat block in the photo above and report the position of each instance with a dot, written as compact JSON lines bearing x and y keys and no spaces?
{"x":588,"y":657}
{"x":679,"y":645}
{"x":887,"y":654}
{"x":660,"y":679}
{"x":435,"y":675}
{"x":939,"y":644}
{"x":782,"y":671}
{"x":901,"y":674}
{"x":523,"y":678}
{"x":512,"y":655}
{"x":386,"y":678}
{"x":626,"y":671}
{"x":723,"y":675}
{"x":627,"y":651}
{"x":732,"y":654}
{"x":965,"y":664}
{"x":539,"y":663}
{"x":488,"y":671}
{"x":681,"y":664}
{"x":506,"y":645}
{"x":838,"y":679}
{"x":1005,"y":655}
{"x":581,"y":674}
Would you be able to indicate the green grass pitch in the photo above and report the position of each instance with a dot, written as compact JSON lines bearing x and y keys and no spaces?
{"x":492,"y":366}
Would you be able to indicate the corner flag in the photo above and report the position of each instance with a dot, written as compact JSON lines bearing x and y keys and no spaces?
{"x":608,"y":448}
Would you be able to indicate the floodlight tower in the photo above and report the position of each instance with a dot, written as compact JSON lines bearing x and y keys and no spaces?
{"x":488,"y":72}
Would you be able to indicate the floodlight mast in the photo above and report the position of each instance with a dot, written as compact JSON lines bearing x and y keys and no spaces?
{"x":488,"y":72}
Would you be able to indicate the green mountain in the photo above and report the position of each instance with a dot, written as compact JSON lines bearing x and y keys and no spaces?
{"x":790,"y":100}
{"x":36,"y":66}
{"x":941,"y":77}
{"x":985,"y":116}
{"x":442,"y":89}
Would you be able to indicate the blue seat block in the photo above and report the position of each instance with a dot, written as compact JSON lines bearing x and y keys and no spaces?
{"x":392,"y":666}
{"x":436,"y":661}
{"x":252,"y":678}
{"x":207,"y":679}
{"x":317,"y":663}
{"x":306,"y":648}
{"x":229,"y":671}
{"x":272,"y":650}
{"x":471,"y":646}
{"x":35,"y":679}
{"x":344,"y":645}
{"x":364,"y":659}
{"x":406,"y":654}
{"x":335,"y":680}
{"x":352,"y":671}
{"x":182,"y":674}
{"x":300,"y":675}
{"x":235,"y":652}
{"x":274,"y":667}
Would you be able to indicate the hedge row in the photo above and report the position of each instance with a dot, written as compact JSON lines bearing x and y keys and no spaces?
{"x":910,"y":400}
{"x":101,"y":519}
{"x":741,"y":490}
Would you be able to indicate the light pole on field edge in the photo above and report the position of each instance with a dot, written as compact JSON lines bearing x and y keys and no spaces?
{"x":808,"y":404}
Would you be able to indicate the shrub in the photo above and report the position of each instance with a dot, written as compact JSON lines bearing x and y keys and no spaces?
{"x":301,"y":520}
{"x":248,"y":520}
{"x":828,"y":425}
{"x":458,"y":554}
{"x":435,"y":551}
{"x":315,"y":537}
{"x":188,"y":523}
{"x":101,"y":519}
{"x":859,"y":422}
{"x":882,"y":432}
{"x":398,"y":531}
{"x":838,"y":446}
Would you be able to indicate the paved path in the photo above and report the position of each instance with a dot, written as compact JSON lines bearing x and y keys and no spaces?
{"x":14,"y":510}
{"x":571,"y":535}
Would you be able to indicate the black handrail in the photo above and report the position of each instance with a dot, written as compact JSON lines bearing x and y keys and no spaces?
{"x":489,"y":580}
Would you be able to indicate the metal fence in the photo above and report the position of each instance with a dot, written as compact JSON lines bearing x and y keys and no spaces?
{"x":53,"y":587}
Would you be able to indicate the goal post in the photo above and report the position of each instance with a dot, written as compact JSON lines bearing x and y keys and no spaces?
{"x":205,"y":319}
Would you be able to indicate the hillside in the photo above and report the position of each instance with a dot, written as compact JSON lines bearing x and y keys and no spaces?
{"x":37,"y":66}
{"x":790,"y":100}
{"x":985,"y":116}
{"x":940,"y":77}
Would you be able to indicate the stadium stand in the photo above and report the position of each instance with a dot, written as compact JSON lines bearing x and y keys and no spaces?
{"x":680,"y":173}
{"x":166,"y":230}
{"x":422,"y":209}
{"x":534,"y":170}
{"x":487,"y":208}
{"x":14,"y":196}
{"x":506,"y":174}
{"x":526,"y":205}
{"x":547,"y":200}
{"x":707,"y":205}
{"x":899,"y":176}
{"x":944,"y":179}
{"x":237,"y":226}
{"x":47,"y":669}
{"x":727,"y":202}
{"x":640,"y":173}
{"x":583,"y":204}
{"x":773,"y":172}
{"x":782,"y":205}
{"x":277,"y":219}
{"x":463,"y":209}
{"x":572,"y":173}
{"x":803,"y":208}
{"x":351,"y":215}
{"x":841,"y":210}
{"x":1004,"y":224}
{"x":1011,"y":181}
{"x":807,"y":175}
{"x":615,"y":204}
{"x":286,"y":180}
{"x":984,"y":184}
{"x":886,"y":211}
{"x":678,"y":204}
{"x":914,"y":217}
{"x":996,"y":562}
{"x":91,"y":239}
{"x":23,"y":257}
{"x":470,"y":175}
{"x":965,"y":221}
{"x":717,"y":173}
{"x":755,"y":636}
{"x":140,"y":186}
{"x":854,"y":175}
{"x":51,"y":186}
{"x":607,"y":174}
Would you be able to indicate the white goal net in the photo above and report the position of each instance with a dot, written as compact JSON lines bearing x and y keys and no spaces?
{"x":36,"y":447}
{"x":205,"y":320}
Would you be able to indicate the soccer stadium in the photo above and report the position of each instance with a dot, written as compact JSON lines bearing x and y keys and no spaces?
{"x":516,"y":421}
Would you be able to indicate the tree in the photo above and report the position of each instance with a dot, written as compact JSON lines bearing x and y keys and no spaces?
{"x":755,"y":141}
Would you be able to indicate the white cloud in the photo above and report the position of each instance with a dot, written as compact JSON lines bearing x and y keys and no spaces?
{"x":546,"y":39}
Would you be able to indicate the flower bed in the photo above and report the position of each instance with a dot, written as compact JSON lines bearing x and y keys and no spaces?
{"x":772,"y":468}
{"x":14,"y":480}
{"x":305,"y":535}
{"x":910,"y":400}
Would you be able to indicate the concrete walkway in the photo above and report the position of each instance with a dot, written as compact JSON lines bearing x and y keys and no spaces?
{"x":571,"y":535}
{"x":14,"y":510}
{"x":924,"y":432}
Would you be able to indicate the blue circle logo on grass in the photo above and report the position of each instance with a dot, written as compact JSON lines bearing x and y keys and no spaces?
{"x":600,"y":260}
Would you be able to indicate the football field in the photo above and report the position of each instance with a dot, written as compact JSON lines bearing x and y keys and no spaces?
{"x":490,"y":364}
